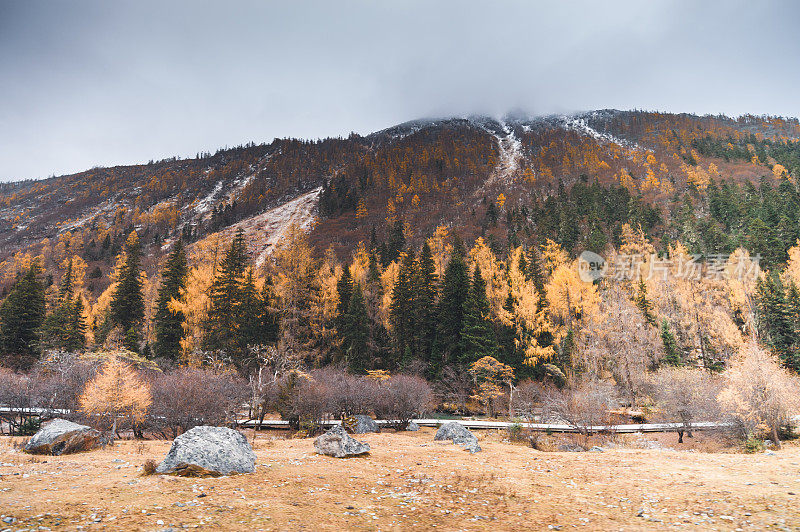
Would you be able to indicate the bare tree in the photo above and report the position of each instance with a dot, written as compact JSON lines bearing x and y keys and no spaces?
{"x":760,"y":392}
{"x":685,"y":395}
{"x":455,"y":387}
{"x":582,"y":405}
{"x":528,"y":397}
{"x":188,"y":397}
{"x":403,"y":398}
{"x":272,"y":363}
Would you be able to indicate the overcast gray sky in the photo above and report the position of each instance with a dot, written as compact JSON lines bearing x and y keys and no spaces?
{"x":85,"y":83}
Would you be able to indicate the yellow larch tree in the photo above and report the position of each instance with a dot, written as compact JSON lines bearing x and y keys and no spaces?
{"x":204,"y":257}
{"x":571,"y":301}
{"x":294,"y":269}
{"x":792,"y":272}
{"x":116,"y":393}
{"x":741,"y":278}
{"x":493,"y":272}
{"x":528,"y":315}
{"x":440,"y":249}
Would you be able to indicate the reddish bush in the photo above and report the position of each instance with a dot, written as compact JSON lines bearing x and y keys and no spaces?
{"x":402,"y":398}
{"x":187,"y":397}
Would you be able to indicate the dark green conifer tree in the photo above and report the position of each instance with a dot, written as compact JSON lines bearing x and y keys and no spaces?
{"x":425,"y":288}
{"x":401,"y":310}
{"x":344,"y":287}
{"x":644,"y":304}
{"x":775,"y":317}
{"x":477,"y":336}
{"x":269,"y":314}
{"x":21,"y":317}
{"x":671,"y":349}
{"x":356,"y":332}
{"x":450,"y":310}
{"x":127,"y":302}
{"x":168,"y":323}
{"x":250,"y":315}
{"x":222,"y":324}
{"x":65,"y":327}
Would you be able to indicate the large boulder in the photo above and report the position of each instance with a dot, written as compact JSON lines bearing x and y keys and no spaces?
{"x":361,"y":424}
{"x":60,"y":436}
{"x":458,"y":434}
{"x":209,"y":451}
{"x":339,"y":444}
{"x":413,"y":427}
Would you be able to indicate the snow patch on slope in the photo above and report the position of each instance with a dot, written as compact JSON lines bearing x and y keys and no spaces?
{"x":579,"y":124}
{"x":509,"y":147}
{"x":204,"y":205}
{"x":265,"y":230}
{"x":105,"y":206}
{"x":510,"y":155}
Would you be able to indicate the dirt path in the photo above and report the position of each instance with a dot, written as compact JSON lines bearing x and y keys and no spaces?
{"x":408,"y":482}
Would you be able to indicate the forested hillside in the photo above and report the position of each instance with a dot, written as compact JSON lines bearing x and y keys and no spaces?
{"x":425,"y":248}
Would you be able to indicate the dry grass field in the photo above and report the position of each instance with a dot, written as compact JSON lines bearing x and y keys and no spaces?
{"x":408,"y":482}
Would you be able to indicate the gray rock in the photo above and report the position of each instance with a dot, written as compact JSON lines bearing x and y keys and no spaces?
{"x":338,"y":443}
{"x":63,"y":437}
{"x":570,"y":448}
{"x":597,"y":449}
{"x":209,"y":451}
{"x":413,"y":427}
{"x":364,"y":424}
{"x":459,"y":435}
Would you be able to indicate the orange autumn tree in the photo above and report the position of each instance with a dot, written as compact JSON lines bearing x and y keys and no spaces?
{"x":116,"y":392}
{"x":490,"y":376}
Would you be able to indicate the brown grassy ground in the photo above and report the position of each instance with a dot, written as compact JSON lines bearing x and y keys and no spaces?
{"x":409,"y":482}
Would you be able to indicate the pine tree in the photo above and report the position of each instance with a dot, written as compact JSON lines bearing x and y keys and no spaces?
{"x":21,"y":316}
{"x":507,"y":335}
{"x":671,"y":348}
{"x":450,"y":310}
{"x":222,"y":323}
{"x":76,"y":331}
{"x":269,"y":316}
{"x":356,"y":332}
{"x":250,"y":316}
{"x":644,"y":304}
{"x":401,"y":310}
{"x":534,"y":273}
{"x":65,"y":327}
{"x":425,"y":289}
{"x":477,"y":338}
{"x":127,"y":303}
{"x":776,"y":317}
{"x":67,"y":288}
{"x":168,"y":322}
{"x":397,"y":241}
{"x":344,"y":286}
{"x":374,"y":273}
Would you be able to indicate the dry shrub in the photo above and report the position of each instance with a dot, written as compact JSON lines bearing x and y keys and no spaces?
{"x":187,"y":397}
{"x":308,"y":400}
{"x":527,"y":398}
{"x":685,"y":395}
{"x":582,"y":405}
{"x":149,"y":467}
{"x":454,"y":388}
{"x":761,"y":394}
{"x":348,"y":394}
{"x":402,"y":398}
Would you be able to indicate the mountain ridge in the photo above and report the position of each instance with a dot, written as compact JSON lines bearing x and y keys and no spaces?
{"x":428,"y":172}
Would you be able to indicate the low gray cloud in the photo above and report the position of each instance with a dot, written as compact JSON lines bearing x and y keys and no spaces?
{"x":100,"y":83}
